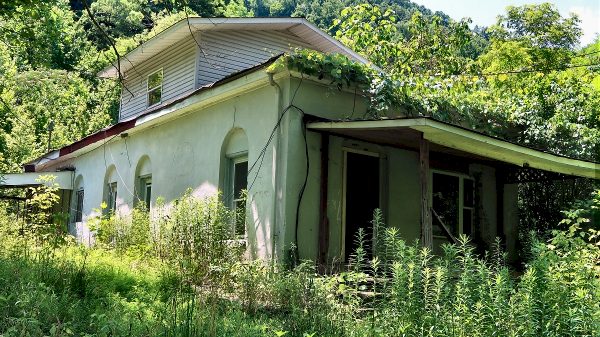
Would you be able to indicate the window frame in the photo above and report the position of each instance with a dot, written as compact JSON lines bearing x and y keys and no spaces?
{"x":461,"y":198}
{"x":145,"y":181}
{"x":112,"y":196}
{"x":149,"y":90}
{"x":233,"y":200}
{"x":79,"y":198}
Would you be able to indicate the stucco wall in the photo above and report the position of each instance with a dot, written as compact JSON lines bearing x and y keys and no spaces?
{"x":400,"y":191}
{"x":186,"y":153}
{"x":400,"y":182}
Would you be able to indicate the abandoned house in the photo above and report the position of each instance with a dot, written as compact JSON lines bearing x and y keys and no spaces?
{"x":200,"y":110}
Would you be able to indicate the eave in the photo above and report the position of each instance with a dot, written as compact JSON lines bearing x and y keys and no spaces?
{"x":300,"y":27}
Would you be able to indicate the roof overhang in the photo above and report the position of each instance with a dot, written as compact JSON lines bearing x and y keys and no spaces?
{"x":400,"y":132}
{"x":64,"y":179}
{"x":300,"y":27}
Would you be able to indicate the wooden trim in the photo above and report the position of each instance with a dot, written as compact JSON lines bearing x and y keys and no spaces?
{"x":345,"y":151}
{"x":426,"y":223}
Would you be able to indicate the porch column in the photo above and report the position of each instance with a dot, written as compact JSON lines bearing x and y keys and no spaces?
{"x":426,"y":225}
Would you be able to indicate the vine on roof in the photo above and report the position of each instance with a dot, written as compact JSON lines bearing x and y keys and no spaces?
{"x":384,"y":94}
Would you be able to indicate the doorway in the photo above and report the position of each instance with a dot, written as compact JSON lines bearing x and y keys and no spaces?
{"x":362,"y":190}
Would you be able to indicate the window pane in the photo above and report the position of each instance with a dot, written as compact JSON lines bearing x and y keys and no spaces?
{"x":240,"y":179}
{"x":155,"y":80}
{"x":112,"y":196}
{"x":154,"y":96}
{"x":445,"y":203}
{"x":469,"y":193}
{"x":240,"y":218}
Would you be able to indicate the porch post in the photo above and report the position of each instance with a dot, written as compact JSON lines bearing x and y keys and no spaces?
{"x":426,"y":225}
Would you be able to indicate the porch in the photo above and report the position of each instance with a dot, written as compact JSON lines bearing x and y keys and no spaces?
{"x":465,"y":182}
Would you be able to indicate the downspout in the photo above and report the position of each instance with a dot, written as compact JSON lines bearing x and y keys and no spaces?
{"x":275,"y":235}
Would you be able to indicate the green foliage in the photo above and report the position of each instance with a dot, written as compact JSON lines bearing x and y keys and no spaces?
{"x":505,"y":92}
{"x":429,"y":46}
{"x":403,"y":290}
{"x":541,"y":28}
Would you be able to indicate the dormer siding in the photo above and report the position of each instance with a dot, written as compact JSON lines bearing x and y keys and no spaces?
{"x":179,"y":68}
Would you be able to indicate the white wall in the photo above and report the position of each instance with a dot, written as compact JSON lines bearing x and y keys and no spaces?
{"x":186,"y":153}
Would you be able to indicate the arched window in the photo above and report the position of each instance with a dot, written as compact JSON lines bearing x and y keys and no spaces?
{"x":110,"y":189}
{"x":234,"y":177}
{"x":143,"y":179}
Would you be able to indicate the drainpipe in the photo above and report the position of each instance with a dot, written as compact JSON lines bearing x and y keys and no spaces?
{"x":278,"y":183}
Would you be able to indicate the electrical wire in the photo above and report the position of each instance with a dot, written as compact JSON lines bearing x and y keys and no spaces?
{"x":301,"y":193}
{"x":187,"y":18}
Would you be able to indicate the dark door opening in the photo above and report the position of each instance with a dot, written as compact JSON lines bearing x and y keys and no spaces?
{"x":362,"y":198}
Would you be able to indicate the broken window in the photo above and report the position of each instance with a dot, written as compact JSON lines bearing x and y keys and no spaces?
{"x":146,"y":190}
{"x":155,"y":81}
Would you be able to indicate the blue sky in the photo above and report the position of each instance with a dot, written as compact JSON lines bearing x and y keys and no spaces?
{"x":484,"y":12}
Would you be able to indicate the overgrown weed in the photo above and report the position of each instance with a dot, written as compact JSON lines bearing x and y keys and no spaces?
{"x":177,"y":274}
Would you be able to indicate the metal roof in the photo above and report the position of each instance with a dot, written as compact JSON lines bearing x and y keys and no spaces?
{"x":306,"y":31}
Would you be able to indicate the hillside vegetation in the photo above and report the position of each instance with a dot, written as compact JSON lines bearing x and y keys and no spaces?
{"x":525,"y":79}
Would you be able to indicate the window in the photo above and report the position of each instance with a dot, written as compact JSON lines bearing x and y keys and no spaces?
{"x":453,"y":203}
{"x":146,"y":190}
{"x":155,"y":81}
{"x":239,"y":185}
{"x":79,"y":206}
{"x":112,"y":197}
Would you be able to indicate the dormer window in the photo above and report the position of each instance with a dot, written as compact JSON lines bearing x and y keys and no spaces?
{"x":155,"y":81}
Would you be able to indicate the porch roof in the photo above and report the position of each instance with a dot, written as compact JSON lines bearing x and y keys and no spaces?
{"x":448,"y":138}
{"x":64,"y":179}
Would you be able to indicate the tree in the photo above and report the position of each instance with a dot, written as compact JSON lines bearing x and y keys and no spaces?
{"x":548,"y":37}
{"x":45,"y":36}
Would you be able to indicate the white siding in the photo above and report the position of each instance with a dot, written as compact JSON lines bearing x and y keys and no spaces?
{"x":229,"y":51}
{"x":178,"y":63}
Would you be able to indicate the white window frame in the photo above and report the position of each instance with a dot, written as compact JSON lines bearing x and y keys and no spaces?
{"x":233,"y":161}
{"x":144,"y":181}
{"x":461,"y":196}
{"x":148,"y":89}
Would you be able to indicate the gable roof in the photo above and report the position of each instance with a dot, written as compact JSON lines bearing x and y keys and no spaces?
{"x":299,"y":27}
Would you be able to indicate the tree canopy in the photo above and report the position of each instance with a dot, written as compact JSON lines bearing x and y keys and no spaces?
{"x":524,"y":78}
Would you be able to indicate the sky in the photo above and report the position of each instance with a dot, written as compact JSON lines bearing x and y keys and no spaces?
{"x":484,"y":12}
